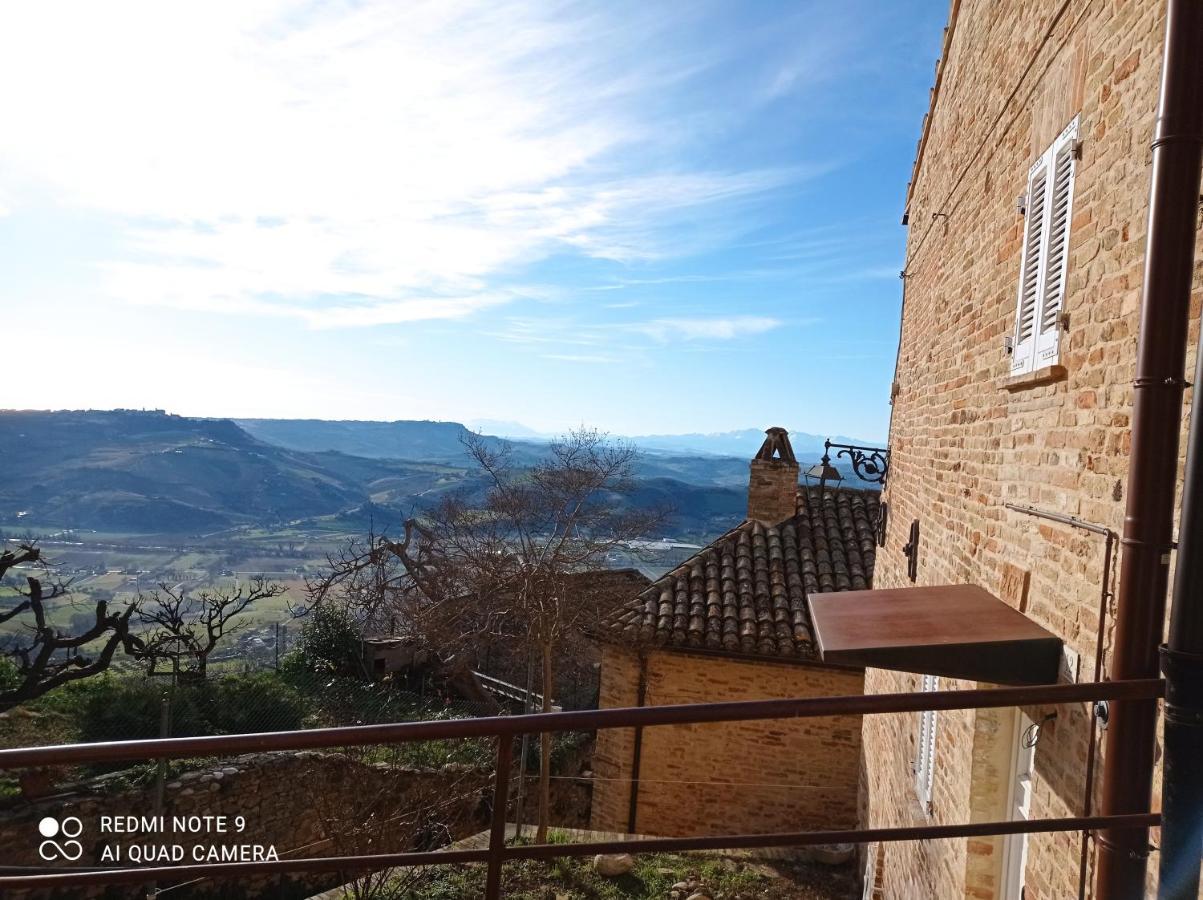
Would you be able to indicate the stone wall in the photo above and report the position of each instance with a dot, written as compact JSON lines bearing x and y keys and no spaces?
{"x":302,"y":804}
{"x":722,"y":778}
{"x":963,"y":444}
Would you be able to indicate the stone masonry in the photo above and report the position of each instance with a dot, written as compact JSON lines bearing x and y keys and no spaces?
{"x":965,"y":438}
{"x":303,"y":804}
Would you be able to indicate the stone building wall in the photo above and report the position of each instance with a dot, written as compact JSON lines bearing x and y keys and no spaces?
{"x":723,"y":778}
{"x":963,"y":444}
{"x":303,"y":804}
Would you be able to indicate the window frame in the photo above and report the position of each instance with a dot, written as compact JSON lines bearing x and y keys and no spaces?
{"x":1019,"y":805}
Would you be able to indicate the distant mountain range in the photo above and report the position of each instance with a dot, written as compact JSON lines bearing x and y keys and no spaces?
{"x":506,"y":429}
{"x":442,"y":442}
{"x":407,"y":439}
{"x":152,"y":472}
{"x":743,"y":443}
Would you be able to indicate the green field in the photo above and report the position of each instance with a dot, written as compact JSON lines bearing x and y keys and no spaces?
{"x":119,"y":567}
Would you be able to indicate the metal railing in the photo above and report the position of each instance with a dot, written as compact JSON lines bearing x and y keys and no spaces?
{"x":506,"y":728}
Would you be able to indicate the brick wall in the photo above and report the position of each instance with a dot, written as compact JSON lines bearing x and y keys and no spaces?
{"x":734,"y":776}
{"x":962,"y":445}
{"x":772,"y":490}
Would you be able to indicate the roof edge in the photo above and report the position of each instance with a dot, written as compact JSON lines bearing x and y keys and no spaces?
{"x":804,"y":662}
{"x":949,"y":29}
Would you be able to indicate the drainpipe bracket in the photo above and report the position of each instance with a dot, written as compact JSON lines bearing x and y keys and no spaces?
{"x":1173,"y":382}
{"x":1183,"y":685}
{"x":1143,"y":853}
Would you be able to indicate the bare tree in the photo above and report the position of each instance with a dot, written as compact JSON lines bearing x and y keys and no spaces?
{"x":45,"y":657}
{"x":541,"y":529}
{"x":367,"y":581}
{"x":185,"y":628}
{"x":511,"y":566}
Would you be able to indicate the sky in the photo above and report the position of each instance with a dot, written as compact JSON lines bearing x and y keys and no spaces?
{"x":681,"y":216}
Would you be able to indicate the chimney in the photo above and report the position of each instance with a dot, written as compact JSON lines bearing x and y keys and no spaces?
{"x":773,"y":480}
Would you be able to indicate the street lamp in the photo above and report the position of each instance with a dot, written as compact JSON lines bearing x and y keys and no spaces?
{"x":824,"y":471}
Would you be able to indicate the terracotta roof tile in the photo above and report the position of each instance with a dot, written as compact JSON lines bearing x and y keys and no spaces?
{"x":746,"y":592}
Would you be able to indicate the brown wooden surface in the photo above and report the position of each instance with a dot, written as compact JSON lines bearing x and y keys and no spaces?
{"x":960,"y":631}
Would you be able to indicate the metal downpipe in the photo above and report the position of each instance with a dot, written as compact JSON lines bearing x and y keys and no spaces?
{"x":1152,"y":468}
{"x":1182,"y":665}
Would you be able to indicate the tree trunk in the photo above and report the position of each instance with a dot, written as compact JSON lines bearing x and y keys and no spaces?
{"x":524,"y":752}
{"x":545,"y":753}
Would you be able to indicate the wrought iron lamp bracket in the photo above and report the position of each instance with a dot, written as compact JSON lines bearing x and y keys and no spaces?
{"x":870,"y":464}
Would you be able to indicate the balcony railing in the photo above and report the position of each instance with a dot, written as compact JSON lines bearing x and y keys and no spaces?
{"x":506,"y":728}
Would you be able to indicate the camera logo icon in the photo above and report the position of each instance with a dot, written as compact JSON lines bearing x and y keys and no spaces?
{"x":68,"y":829}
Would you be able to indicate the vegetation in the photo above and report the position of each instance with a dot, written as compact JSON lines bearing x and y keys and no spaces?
{"x":131,"y":708}
{"x":262,"y":701}
{"x":330,"y":642}
{"x":653,"y":877}
{"x":117,"y":707}
{"x":10,"y":675}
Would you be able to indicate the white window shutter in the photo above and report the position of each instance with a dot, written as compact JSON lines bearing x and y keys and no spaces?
{"x":1027,"y":312}
{"x":1061,"y":167}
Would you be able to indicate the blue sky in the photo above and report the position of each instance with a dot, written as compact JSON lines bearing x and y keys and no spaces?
{"x":647,"y":217}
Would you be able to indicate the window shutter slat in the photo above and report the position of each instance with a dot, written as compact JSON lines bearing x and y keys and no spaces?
{"x":1027,"y":307}
{"x":1057,"y":256}
{"x":926,"y":747}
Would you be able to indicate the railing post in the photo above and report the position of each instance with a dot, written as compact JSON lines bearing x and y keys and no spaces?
{"x":501,"y":798}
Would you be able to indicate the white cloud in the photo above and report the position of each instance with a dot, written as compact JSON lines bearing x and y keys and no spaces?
{"x":691,"y":329}
{"x":351,"y":165}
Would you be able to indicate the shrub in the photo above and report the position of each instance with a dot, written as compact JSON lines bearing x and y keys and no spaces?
{"x":330,"y":642}
{"x":248,"y":703}
{"x":10,"y":677}
{"x":111,"y":709}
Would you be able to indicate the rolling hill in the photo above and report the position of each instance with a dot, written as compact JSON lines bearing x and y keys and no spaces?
{"x":414,"y":440}
{"x":441,"y":442}
{"x":151,"y":472}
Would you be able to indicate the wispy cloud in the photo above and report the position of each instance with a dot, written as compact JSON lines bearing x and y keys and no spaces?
{"x":693,"y":329}
{"x":596,"y":358}
{"x":353,"y":165}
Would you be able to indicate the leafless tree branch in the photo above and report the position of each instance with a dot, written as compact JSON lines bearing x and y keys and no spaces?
{"x":187,"y":628}
{"x":46,"y":658}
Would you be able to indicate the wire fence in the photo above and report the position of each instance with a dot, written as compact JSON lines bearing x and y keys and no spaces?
{"x":349,"y":800}
{"x":238,"y":695}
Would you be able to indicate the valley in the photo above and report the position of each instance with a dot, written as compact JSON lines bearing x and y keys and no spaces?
{"x":124,"y":500}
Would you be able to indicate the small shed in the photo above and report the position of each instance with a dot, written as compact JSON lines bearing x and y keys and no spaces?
{"x":384,"y":655}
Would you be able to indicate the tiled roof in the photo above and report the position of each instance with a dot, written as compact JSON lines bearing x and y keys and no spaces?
{"x":746,"y":592}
